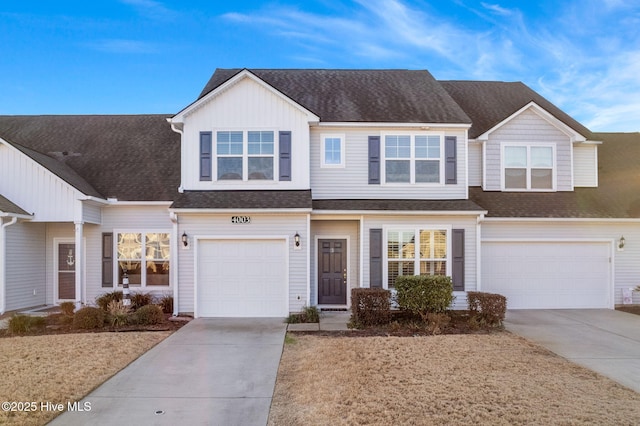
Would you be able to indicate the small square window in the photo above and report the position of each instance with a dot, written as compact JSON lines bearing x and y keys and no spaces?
{"x":332,"y":154}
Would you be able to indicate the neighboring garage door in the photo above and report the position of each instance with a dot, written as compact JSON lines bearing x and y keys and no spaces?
{"x":548,"y":275}
{"x":242,"y":278}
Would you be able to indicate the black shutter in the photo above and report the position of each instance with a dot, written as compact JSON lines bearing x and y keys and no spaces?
{"x":374,"y":159}
{"x":451,"y":162}
{"x":205,"y":155}
{"x":285,"y":156}
{"x":457,"y":270}
{"x":375,"y":258}
{"x":107,"y":259}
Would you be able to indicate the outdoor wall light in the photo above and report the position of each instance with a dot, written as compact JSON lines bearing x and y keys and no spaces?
{"x":621,"y":243}
{"x":296,"y":239}
{"x":185,"y":239}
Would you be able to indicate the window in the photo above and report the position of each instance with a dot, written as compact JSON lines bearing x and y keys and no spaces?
{"x":528,"y":167}
{"x":332,"y":154}
{"x":413,"y":158}
{"x":416,"y":252}
{"x":145,"y":258}
{"x":240,"y":161}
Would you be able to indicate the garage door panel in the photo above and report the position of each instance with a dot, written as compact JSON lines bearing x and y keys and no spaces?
{"x":548,"y":274}
{"x":246,"y":278}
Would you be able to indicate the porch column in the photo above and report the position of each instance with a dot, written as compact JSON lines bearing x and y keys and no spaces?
{"x":81,"y":296}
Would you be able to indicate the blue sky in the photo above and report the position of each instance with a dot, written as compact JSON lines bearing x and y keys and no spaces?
{"x":154,"y":56}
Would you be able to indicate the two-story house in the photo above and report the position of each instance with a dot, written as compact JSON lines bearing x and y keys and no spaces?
{"x":277,"y":189}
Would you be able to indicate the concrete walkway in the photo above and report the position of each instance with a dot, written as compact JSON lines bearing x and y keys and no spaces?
{"x":329,"y":321}
{"x":603,"y":340}
{"x":210,"y":372}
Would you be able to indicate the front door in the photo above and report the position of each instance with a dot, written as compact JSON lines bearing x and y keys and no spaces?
{"x":66,"y":271}
{"x":332,"y":272}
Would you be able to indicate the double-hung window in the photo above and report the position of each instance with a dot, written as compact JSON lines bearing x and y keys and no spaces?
{"x":245,"y":155}
{"x":416,"y":252}
{"x":332,"y":154}
{"x":145,"y":257}
{"x":413,"y":158}
{"x":528,"y":167}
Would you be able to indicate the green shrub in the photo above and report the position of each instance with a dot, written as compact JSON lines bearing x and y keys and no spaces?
{"x":22,"y":324}
{"x":104,"y":299}
{"x":89,"y":318}
{"x":138,"y":300}
{"x":117,"y":313}
{"x":149,"y":314}
{"x":309,"y":314}
{"x":486,"y":308}
{"x":67,"y":308}
{"x":166,"y":303}
{"x":424,"y":294}
{"x":370,"y":306}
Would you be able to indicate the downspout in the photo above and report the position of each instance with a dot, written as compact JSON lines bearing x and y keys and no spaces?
{"x":479,"y":221}
{"x":174,"y":260}
{"x":175,"y":128}
{"x":3,"y":272}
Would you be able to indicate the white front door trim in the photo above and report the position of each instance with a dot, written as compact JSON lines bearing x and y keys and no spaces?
{"x":315,"y":272}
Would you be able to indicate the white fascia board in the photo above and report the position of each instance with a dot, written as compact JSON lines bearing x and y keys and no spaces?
{"x":587,"y":142}
{"x":419,"y":126}
{"x":245,"y":211}
{"x":16,"y":215}
{"x":400,"y":212}
{"x":139,"y":203}
{"x":245,"y":73}
{"x":559,"y":219}
{"x":572,"y":134}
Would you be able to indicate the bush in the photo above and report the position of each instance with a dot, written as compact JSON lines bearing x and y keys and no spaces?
{"x":67,"y":308}
{"x":166,"y":303}
{"x":138,"y":300}
{"x":424,"y":294}
{"x":22,"y":324}
{"x":103,"y":300}
{"x":89,"y":318}
{"x":370,"y":306}
{"x":149,"y":314}
{"x":309,"y":314}
{"x":436,"y":322}
{"x":118,"y":314}
{"x":487,"y":308}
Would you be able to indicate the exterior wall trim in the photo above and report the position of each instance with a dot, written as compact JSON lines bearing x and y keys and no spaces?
{"x":359,"y":213}
{"x":559,"y":219}
{"x":415,"y":126}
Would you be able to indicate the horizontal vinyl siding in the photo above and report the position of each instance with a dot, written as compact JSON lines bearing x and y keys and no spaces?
{"x":529,"y":127}
{"x":246,"y":106}
{"x":626,"y":265}
{"x":475,"y":164}
{"x":585,"y":165}
{"x":352,"y":181}
{"x":91,"y":213}
{"x":203,"y":226}
{"x":335,"y":228}
{"x":466,"y":223}
{"x":25,"y":265}
{"x":34,"y":188}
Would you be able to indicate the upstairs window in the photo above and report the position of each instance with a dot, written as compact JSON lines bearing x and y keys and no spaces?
{"x":260,"y":152}
{"x":528,"y":168}
{"x":332,"y":154}
{"x":245,"y":155}
{"x":412,"y":158}
{"x":229,"y":150}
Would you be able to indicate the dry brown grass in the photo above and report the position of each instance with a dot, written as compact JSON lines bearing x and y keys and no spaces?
{"x":63,"y":368}
{"x":497,"y":379}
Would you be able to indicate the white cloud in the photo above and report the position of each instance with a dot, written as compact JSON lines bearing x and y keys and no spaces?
{"x":122,"y":46}
{"x":152,"y":9}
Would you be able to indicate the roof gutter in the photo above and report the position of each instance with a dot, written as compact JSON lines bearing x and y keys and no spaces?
{"x":3,"y":272}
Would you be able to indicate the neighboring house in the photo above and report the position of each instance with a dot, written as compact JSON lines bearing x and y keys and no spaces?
{"x":277,"y":189}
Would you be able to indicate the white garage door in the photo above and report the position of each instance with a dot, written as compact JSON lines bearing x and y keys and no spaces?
{"x":242,"y":278}
{"x":545,"y":275}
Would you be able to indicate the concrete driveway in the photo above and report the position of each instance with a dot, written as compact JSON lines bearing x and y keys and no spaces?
{"x":210,"y":372}
{"x":603,"y":340}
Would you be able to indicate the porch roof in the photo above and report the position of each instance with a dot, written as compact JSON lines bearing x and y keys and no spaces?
{"x":269,"y":199}
{"x":398,"y":205}
{"x":9,"y":207}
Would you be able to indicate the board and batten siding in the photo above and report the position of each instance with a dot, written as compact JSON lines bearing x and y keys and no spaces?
{"x":203,"y":226}
{"x":36,"y":189}
{"x":528,"y":127}
{"x":585,"y":165}
{"x":626,"y":270}
{"x":352,"y":181}
{"x":25,"y":265}
{"x":246,"y":105}
{"x":475,"y":164}
{"x":468,"y":223}
{"x":338,"y":229}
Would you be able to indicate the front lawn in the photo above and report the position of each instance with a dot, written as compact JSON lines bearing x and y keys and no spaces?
{"x":449,"y":379}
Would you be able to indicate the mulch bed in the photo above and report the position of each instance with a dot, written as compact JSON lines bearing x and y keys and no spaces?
{"x":632,"y":309}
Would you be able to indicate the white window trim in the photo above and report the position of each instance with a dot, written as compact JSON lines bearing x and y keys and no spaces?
{"x":343,"y":139}
{"x":245,"y":154}
{"x":143,"y":279}
{"x":412,"y":158}
{"x":554,"y":166}
{"x":416,"y":229}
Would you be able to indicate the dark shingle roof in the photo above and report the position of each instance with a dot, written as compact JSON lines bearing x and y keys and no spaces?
{"x":7,"y":206}
{"x":130,"y":157}
{"x":404,"y":96}
{"x":270,"y":199}
{"x":490,"y":102}
{"x":617,"y":194}
{"x":397,"y":205}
